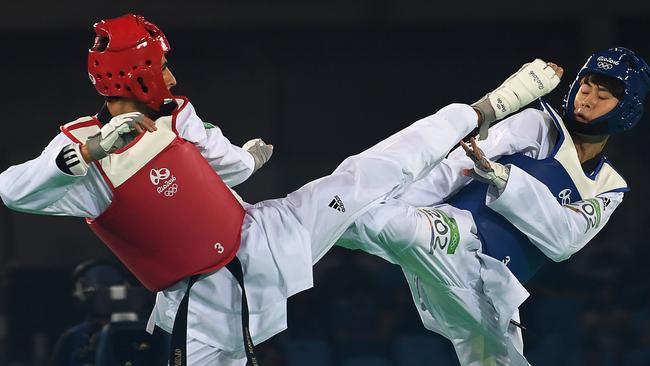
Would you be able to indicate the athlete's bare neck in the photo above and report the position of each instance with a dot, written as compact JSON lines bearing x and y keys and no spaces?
{"x":588,"y":147}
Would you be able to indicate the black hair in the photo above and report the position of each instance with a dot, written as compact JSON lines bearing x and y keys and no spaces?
{"x":614,"y":85}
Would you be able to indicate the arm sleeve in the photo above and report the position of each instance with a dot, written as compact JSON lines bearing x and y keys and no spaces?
{"x":530,"y":132}
{"x":35,"y":185}
{"x":557,"y":230}
{"x":233,"y":164}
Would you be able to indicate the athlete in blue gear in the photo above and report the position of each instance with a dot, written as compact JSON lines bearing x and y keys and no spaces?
{"x":483,"y":222}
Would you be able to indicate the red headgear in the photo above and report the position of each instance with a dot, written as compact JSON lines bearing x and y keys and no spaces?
{"x":125,"y":60}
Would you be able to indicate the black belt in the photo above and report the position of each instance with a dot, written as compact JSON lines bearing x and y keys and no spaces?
{"x":178,"y":353}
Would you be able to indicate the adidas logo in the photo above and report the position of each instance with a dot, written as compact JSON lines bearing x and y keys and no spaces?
{"x":337,"y":204}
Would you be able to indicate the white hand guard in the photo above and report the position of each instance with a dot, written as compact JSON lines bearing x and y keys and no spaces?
{"x":260,"y":151}
{"x":111,"y":136}
{"x":531,"y":81}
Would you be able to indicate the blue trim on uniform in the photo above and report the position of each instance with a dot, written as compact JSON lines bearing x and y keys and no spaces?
{"x":626,"y":189}
{"x":549,"y":110}
{"x":627,"y":185}
{"x":593,"y":174}
{"x":546,"y":108}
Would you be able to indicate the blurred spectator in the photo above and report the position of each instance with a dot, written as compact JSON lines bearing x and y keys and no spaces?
{"x":77,"y":345}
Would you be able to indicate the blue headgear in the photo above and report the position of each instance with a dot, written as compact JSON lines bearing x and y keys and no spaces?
{"x":622,"y":64}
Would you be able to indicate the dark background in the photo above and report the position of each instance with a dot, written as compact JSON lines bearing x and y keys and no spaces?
{"x":322,"y":80}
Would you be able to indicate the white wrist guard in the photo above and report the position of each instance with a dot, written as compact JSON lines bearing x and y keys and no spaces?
{"x":531,"y":81}
{"x":491,"y":172}
{"x":260,"y":151}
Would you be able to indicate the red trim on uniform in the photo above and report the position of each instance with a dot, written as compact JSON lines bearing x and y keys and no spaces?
{"x":177,"y":112}
{"x":69,"y":135}
{"x":93,"y":121}
{"x":130,"y":144}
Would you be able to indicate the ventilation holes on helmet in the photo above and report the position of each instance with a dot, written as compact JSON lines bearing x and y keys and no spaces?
{"x":98,"y":77}
{"x":118,"y":86}
{"x":148,"y":62}
{"x":121,"y":74}
{"x":96,"y":63}
{"x":109,"y":75}
{"x":144,"y":87}
{"x":135,"y":67}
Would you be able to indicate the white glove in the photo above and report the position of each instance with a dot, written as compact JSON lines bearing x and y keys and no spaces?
{"x":260,"y":150}
{"x":486,"y":170}
{"x":533,"y":80}
{"x":111,"y":136}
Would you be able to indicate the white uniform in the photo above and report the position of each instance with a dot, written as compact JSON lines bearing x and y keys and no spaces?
{"x":281,"y":239}
{"x":468,"y":296}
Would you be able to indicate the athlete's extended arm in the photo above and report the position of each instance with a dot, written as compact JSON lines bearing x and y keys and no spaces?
{"x":557,"y":230}
{"x":533,"y":80}
{"x":234,"y":164}
{"x":41,"y":185}
{"x":523,"y":132}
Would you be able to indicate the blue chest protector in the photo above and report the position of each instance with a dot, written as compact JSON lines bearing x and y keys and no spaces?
{"x":502,"y":240}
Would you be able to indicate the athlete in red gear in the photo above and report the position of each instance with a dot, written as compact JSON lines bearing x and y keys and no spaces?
{"x":151,"y":179}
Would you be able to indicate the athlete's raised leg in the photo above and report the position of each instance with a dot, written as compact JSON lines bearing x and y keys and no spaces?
{"x":325,"y":207}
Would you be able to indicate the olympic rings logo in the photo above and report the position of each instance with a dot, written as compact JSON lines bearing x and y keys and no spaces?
{"x":157,"y":175}
{"x":605,"y":65}
{"x":172,"y":190}
{"x":169,"y":188}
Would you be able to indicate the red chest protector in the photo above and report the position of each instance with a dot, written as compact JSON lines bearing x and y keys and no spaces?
{"x":171,"y":215}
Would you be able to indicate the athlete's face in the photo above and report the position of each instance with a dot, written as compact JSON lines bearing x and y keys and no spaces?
{"x":592,"y":101}
{"x":168,"y":77}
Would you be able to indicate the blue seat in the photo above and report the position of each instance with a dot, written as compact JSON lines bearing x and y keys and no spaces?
{"x":430,"y":349}
{"x":314,"y":352}
{"x":550,"y":349}
{"x":367,"y":361}
{"x":557,"y":315}
{"x":638,"y":357}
